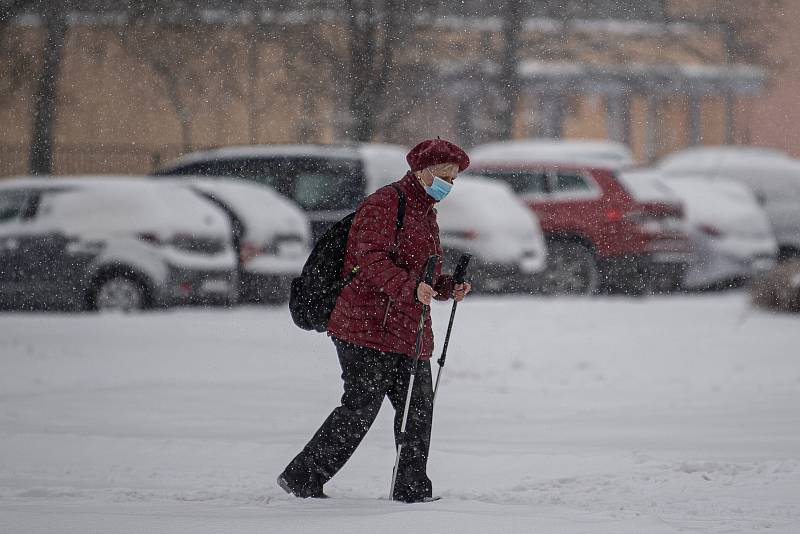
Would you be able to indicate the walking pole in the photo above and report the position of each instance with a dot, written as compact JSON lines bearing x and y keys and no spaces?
{"x":458,"y":278}
{"x":430,"y":267}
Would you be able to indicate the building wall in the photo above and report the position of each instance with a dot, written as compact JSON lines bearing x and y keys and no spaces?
{"x":773,"y":120}
{"x":114,"y":115}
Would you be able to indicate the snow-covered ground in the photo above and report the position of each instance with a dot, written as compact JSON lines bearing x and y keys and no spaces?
{"x":610,"y":416}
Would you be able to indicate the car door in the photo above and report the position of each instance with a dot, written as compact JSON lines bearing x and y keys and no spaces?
{"x":12,"y":204}
{"x":50,"y":265}
{"x":572,"y":204}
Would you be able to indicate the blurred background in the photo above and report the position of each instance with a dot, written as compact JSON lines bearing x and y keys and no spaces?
{"x":116,"y":87}
{"x":318,"y":100}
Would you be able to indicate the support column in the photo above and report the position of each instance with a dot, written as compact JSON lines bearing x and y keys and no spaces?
{"x":730,"y":118}
{"x":694,"y":133}
{"x":618,"y":117}
{"x":464,"y":118}
{"x":551,"y":115}
{"x":652,"y":142}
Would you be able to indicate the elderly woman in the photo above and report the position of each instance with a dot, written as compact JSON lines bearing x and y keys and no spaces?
{"x":374,"y":325}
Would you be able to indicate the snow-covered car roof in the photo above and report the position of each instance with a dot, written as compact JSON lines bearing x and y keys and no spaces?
{"x":256,"y":151}
{"x":383,"y":163}
{"x":708,"y":157}
{"x":112,"y":204}
{"x":265,"y":213}
{"x":771,"y":173}
{"x":574,"y":151}
{"x":93,"y":180}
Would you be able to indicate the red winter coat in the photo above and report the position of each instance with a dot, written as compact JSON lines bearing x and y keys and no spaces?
{"x":379,"y":309}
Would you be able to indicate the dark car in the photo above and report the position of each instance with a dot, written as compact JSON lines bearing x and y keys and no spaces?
{"x":328,"y":182}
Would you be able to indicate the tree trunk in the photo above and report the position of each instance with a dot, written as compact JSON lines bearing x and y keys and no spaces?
{"x":362,"y":57}
{"x":45,"y":99}
{"x":509,"y":81}
{"x":375,"y":34}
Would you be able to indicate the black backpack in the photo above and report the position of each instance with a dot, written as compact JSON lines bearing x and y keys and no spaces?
{"x":313,"y":294}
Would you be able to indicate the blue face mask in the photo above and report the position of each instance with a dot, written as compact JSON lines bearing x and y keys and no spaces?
{"x":438,"y":189}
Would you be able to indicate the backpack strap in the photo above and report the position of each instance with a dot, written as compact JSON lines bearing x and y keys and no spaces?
{"x":401,"y":210}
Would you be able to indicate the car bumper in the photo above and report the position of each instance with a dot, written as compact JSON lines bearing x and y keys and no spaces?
{"x":492,"y":276}
{"x":198,"y":286}
{"x":662,"y":270}
{"x":720,"y":268}
{"x":268,"y":288}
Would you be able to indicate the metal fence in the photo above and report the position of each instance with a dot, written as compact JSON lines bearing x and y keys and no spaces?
{"x":91,"y":159}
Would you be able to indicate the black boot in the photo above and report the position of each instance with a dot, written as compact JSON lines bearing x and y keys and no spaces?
{"x":310,"y":488}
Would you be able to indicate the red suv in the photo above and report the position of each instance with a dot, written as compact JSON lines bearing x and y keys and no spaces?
{"x":600,"y":234}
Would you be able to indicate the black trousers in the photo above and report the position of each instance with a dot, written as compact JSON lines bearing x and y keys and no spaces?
{"x":370,"y":375}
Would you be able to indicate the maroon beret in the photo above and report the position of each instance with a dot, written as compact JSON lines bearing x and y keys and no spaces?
{"x":435,"y":152}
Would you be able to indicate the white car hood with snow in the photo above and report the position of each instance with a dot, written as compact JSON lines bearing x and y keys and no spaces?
{"x":503,"y":228}
{"x":265,"y":213}
{"x":125,"y":209}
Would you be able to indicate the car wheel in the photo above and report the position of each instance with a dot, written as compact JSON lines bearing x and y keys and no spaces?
{"x":118,"y":293}
{"x":571,"y":270}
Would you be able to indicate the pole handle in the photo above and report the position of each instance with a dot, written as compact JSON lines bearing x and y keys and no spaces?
{"x":430,"y":268}
{"x":461,"y":268}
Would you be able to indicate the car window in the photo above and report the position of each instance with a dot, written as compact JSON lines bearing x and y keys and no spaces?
{"x":571,"y":182}
{"x":41,"y":204}
{"x":522,"y":182}
{"x":321,"y":185}
{"x":11,"y":204}
{"x":260,"y":170}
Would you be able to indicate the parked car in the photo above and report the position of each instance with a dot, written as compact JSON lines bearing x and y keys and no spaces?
{"x":328,"y":182}
{"x":771,"y":175}
{"x":731,"y":236}
{"x":111,"y":243}
{"x":270,"y":234}
{"x":485,"y":219}
{"x":598,"y":234}
{"x":562,"y":151}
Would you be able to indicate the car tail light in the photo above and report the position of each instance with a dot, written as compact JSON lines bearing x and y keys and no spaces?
{"x":614,"y":215}
{"x":249,"y":251}
{"x":709,"y":230}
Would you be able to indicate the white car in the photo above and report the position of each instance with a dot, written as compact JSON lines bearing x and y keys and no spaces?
{"x":730,"y":233}
{"x":270,"y":233}
{"x":553,"y":151}
{"x":771,"y":175}
{"x":111,"y":243}
{"x":484,"y":218}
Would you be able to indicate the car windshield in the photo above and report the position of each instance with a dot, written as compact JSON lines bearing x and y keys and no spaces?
{"x":522,"y":182}
{"x":11,"y":204}
{"x":328,"y":185}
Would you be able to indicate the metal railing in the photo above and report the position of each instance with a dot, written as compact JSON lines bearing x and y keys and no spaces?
{"x":91,"y":159}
